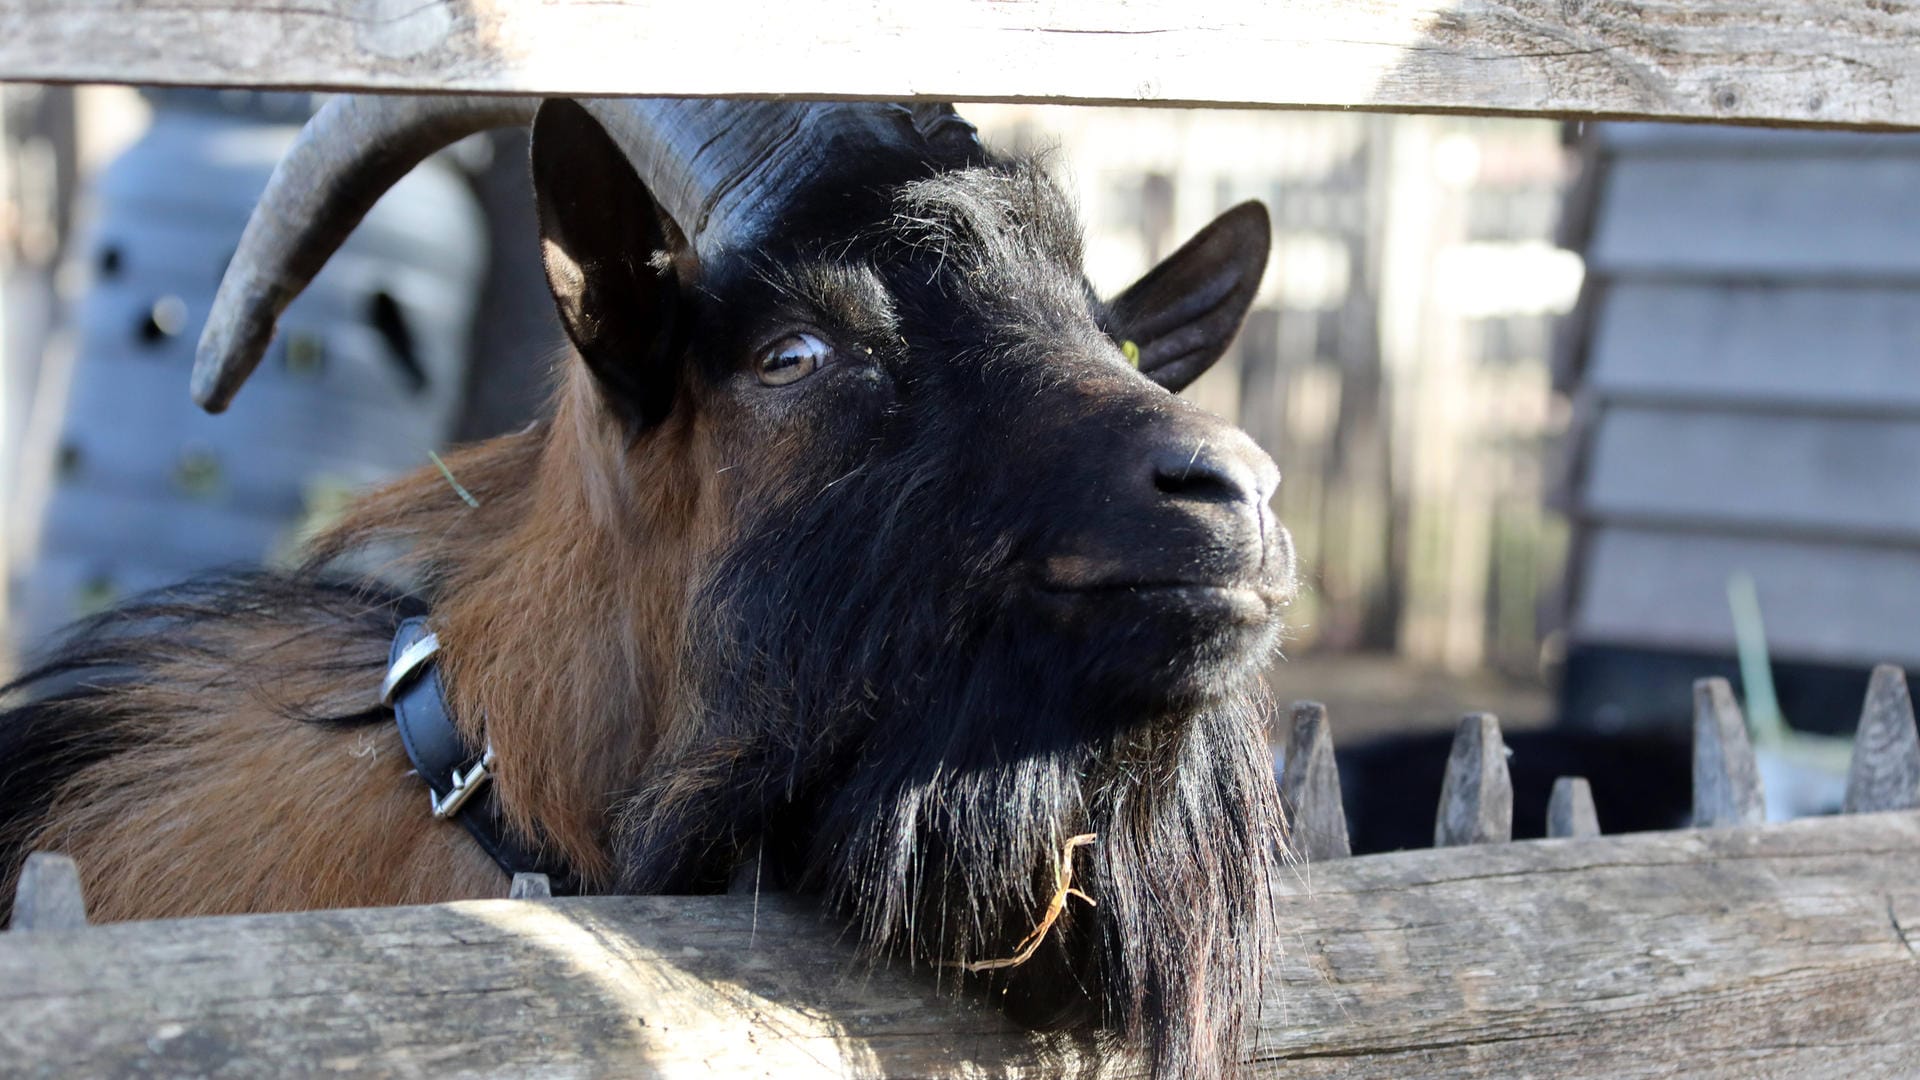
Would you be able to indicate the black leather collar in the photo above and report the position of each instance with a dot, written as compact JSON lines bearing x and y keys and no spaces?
{"x":454,"y":770}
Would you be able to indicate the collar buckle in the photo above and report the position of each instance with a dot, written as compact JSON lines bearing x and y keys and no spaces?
{"x":446,"y":762}
{"x":465,"y":785}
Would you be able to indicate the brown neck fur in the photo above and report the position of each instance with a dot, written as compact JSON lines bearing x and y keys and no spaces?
{"x":559,"y":602}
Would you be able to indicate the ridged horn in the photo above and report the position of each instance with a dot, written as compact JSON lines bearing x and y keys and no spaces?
{"x":348,"y":155}
{"x":725,"y":170}
{"x":722,"y":170}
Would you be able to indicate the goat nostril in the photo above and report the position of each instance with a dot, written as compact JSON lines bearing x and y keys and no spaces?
{"x":1198,"y":473}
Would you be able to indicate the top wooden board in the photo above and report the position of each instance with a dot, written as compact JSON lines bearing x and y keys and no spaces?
{"x":1838,"y":63}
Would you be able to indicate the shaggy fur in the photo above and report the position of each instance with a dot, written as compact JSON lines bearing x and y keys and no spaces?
{"x":902,"y":628}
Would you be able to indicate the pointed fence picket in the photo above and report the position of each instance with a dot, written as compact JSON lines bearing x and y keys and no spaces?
{"x":1570,"y":811}
{"x":1310,"y":787}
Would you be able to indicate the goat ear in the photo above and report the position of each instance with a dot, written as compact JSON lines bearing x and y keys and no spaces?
{"x":610,"y":254}
{"x":1183,"y":314}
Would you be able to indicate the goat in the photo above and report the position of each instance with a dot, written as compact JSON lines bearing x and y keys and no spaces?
{"x":862,"y":540}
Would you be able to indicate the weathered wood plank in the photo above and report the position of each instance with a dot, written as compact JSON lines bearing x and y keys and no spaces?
{"x":1726,"y":778}
{"x":1828,"y":62}
{"x":1476,"y":798}
{"x":48,"y":896}
{"x":1570,"y":810}
{"x":1776,"y":950}
{"x":1310,"y":784}
{"x":1844,"y":476}
{"x":556,"y":988}
{"x":1650,"y":955}
{"x":1823,"y":601}
{"x":1885,"y":772}
{"x":1780,"y":348}
{"x":1797,"y":218}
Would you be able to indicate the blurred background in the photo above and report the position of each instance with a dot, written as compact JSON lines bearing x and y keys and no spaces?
{"x":1568,"y":416}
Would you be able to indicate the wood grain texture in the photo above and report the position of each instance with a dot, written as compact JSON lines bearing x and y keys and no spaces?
{"x":1776,"y":950}
{"x":1310,"y":784}
{"x":1825,"y":62}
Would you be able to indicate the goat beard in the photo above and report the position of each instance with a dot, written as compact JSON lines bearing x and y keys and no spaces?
{"x":941,"y":839}
{"x":961,"y":865}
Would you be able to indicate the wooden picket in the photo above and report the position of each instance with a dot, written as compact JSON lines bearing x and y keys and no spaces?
{"x":48,"y":895}
{"x":1310,"y":785}
{"x":1476,"y":799}
{"x":1570,"y":811}
{"x":1885,"y":772}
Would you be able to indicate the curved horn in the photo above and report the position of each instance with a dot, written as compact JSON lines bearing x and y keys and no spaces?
{"x":722,"y":170}
{"x":348,"y":155}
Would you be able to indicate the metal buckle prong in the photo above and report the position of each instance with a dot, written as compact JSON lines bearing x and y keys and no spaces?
{"x":464,"y":786}
{"x":404,"y":667}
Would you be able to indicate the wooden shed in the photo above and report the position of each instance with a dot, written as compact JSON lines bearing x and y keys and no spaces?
{"x":1745,"y":368}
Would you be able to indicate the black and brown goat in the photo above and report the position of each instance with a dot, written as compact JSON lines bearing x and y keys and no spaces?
{"x":861,"y":536}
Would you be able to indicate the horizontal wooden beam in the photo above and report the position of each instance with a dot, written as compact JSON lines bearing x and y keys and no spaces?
{"x":1837,"y":63}
{"x":1655,"y":954}
{"x":1774,"y":949}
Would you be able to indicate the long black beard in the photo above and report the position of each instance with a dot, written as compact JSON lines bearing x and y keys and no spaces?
{"x":958,"y":867}
{"x":908,"y":743}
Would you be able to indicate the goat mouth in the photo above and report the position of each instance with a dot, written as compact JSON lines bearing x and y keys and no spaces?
{"x":1231,"y":601}
{"x":1173,"y":589}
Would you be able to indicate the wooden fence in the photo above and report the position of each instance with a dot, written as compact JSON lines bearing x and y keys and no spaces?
{"x":1733,"y":949}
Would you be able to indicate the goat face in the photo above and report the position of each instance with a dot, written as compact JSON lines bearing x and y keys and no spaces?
{"x":973,"y":582}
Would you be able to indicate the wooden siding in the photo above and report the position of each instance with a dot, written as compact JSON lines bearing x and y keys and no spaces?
{"x":1823,"y":601}
{"x":1746,"y":366}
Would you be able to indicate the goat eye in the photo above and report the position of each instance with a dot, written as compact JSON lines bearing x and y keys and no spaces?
{"x":791,"y":359}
